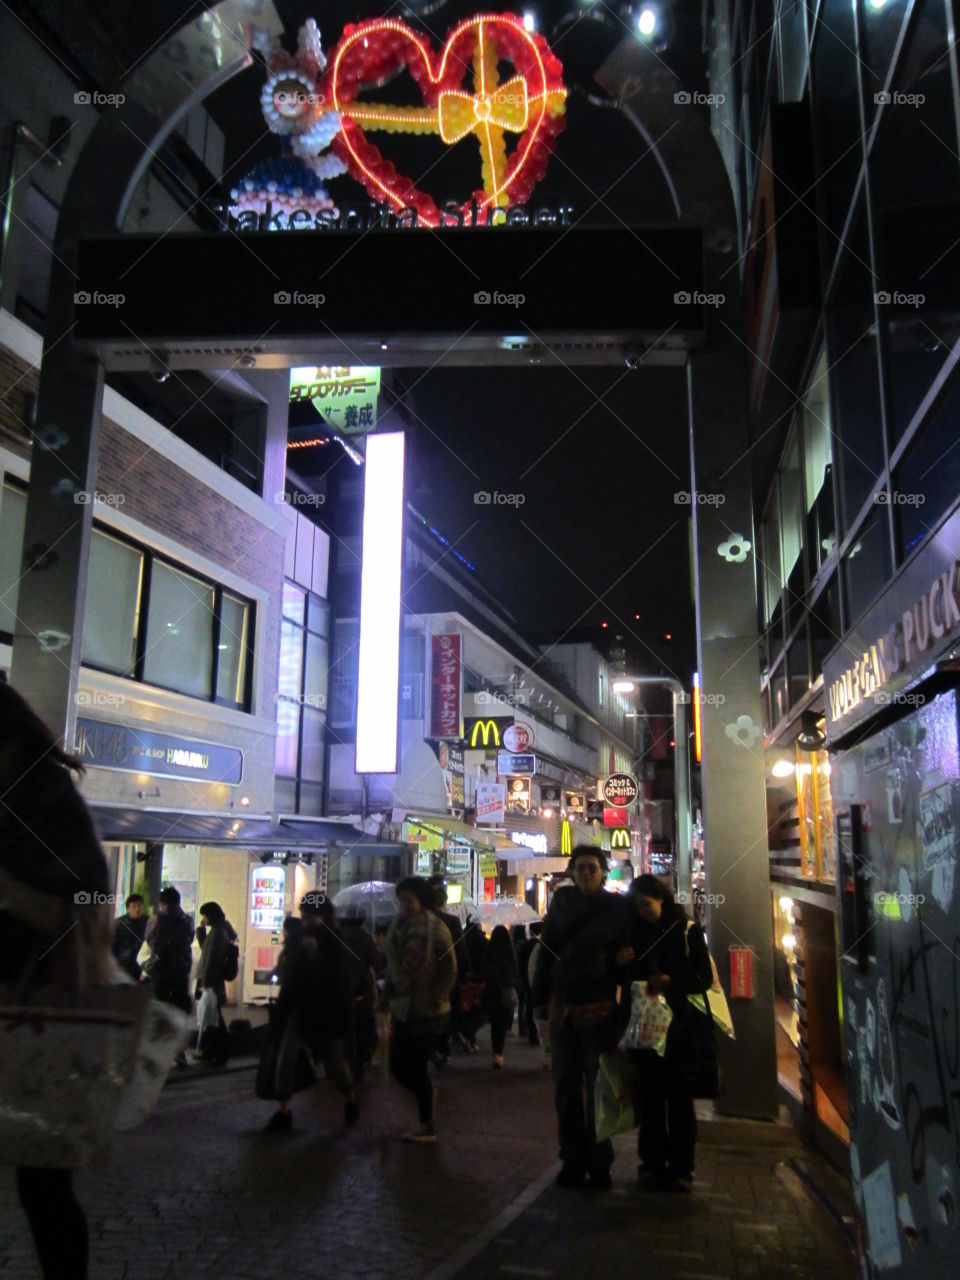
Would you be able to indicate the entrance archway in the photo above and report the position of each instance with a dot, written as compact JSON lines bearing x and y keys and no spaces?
{"x":46,"y":660}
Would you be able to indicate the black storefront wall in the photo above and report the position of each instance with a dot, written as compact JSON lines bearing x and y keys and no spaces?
{"x":893,"y":717}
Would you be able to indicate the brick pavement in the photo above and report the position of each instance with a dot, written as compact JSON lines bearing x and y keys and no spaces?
{"x":200,"y":1192}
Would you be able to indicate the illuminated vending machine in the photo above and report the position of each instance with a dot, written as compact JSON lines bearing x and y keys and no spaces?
{"x":275,"y":889}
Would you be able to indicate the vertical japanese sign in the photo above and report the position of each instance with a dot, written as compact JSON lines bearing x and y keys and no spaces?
{"x":445,"y":678}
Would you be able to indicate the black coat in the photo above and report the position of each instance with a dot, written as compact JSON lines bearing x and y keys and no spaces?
{"x":672,"y":946}
{"x":128,"y":933}
{"x":317,"y":989}
{"x":581,"y":937}
{"x":170,"y":935}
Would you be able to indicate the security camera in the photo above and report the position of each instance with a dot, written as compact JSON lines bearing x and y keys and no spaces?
{"x":159,"y":370}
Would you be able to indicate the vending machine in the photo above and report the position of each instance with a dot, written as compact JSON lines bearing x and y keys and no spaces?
{"x":895,"y":793}
{"x":275,"y":889}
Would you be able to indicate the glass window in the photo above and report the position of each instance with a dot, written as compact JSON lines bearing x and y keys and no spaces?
{"x":836,"y":113}
{"x":825,"y":625}
{"x":288,"y":738}
{"x":311,"y":760}
{"x":294,"y":603}
{"x":798,"y":667}
{"x":179,"y":652}
{"x":112,"y":608}
{"x":291,"y":661}
{"x":232,"y":649}
{"x":770,"y":566}
{"x":791,"y":500}
{"x":866,"y":567}
{"x":879,"y":31}
{"x":13,"y":514}
{"x":852,"y":352}
{"x":928,"y":480}
{"x":318,"y":615}
{"x":821,"y":534}
{"x":317,"y":671}
{"x":915,"y":179}
{"x":792,"y":49}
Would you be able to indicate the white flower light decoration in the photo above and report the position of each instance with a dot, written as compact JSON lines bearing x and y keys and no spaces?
{"x":735,"y":549}
{"x":743,"y":732}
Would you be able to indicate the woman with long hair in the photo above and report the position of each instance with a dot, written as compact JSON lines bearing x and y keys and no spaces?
{"x":54,"y":922}
{"x":500,"y":989}
{"x":668,"y":952}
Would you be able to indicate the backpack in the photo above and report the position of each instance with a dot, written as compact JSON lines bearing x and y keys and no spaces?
{"x":231,"y":961}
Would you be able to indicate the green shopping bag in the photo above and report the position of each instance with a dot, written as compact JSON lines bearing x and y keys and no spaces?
{"x":614,"y":1096}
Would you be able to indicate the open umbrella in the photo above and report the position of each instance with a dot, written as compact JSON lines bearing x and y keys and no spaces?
{"x":373,"y":901}
{"x":506,"y":912}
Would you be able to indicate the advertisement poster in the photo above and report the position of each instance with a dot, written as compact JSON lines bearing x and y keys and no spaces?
{"x":491,"y":799}
{"x":345,"y":396}
{"x":450,"y":759}
{"x":518,"y":795}
{"x":445,"y":680}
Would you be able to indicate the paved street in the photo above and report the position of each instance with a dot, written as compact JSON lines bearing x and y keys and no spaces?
{"x":200,"y":1192}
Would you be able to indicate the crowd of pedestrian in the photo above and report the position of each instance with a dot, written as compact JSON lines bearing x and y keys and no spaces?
{"x":567,"y":981}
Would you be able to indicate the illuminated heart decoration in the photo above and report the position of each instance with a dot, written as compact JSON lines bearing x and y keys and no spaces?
{"x":531,"y":103}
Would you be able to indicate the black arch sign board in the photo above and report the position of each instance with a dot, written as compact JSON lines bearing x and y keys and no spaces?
{"x":474,"y":286}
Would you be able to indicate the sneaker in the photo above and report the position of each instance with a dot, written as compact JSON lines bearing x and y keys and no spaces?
{"x":600,"y":1179}
{"x":351,"y":1111}
{"x":498,"y":1061}
{"x":279,"y":1122}
{"x":570,"y":1176}
{"x":422,"y":1133}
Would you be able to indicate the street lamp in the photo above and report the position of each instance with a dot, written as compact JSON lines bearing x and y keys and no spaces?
{"x":681,"y":772}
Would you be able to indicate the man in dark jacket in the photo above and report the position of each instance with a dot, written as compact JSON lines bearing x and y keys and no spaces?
{"x":169,"y":936}
{"x":128,"y":933}
{"x":575,"y":988}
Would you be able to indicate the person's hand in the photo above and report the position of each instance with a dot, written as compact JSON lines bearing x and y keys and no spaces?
{"x":624,"y":956}
{"x":656,"y":983}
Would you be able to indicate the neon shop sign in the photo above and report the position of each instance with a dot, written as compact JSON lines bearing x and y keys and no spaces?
{"x":493,"y":84}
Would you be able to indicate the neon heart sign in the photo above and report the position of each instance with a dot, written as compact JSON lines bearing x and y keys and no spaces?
{"x":531,"y":104}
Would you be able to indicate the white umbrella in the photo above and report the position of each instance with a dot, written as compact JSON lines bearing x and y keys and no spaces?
{"x":373,"y":900}
{"x":504,"y":911}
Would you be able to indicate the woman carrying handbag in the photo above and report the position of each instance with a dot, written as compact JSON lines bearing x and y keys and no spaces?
{"x":669,"y":953}
{"x":55,"y":921}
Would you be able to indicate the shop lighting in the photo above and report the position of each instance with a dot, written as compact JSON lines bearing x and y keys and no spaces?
{"x":697,"y":727}
{"x":783,"y":768}
{"x":623,"y":686}
{"x":786,"y":903}
{"x":647,"y":21}
{"x":379,"y":664}
{"x":789,"y":942}
{"x":244,"y":800}
{"x":811,"y":737}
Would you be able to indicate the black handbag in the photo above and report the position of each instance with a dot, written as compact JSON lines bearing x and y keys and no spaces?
{"x":265,"y":1085}
{"x":692,"y":1056}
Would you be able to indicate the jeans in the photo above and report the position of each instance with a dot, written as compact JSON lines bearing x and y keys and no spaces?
{"x":668,"y":1121}
{"x":409,"y":1054}
{"x":56,"y":1220}
{"x":574,"y":1062}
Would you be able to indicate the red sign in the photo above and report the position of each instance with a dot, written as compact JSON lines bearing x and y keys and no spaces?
{"x":445,"y":669}
{"x":517,"y":737}
{"x":615,"y":818}
{"x":741,"y":973}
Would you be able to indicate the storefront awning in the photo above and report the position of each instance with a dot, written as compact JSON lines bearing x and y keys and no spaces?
{"x":215,"y":829}
{"x":453,"y":827}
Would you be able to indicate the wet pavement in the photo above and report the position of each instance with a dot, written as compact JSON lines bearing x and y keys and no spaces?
{"x":200,"y":1191}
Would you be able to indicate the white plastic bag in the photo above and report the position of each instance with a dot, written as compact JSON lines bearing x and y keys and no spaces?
{"x":164,"y":1035}
{"x":650,"y":1018}
{"x":208,"y":1010}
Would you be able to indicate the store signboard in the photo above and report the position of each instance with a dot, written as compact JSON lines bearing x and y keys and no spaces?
{"x":615,"y":818}
{"x":345,"y":396}
{"x":535,"y":841}
{"x":518,"y":795}
{"x":458,"y":861}
{"x":129,"y":750}
{"x":510,"y":764}
{"x":488,"y":866}
{"x":445,"y":686}
{"x":519,"y":737}
{"x":490,"y":800}
{"x":485,"y":731}
{"x":620,"y":789}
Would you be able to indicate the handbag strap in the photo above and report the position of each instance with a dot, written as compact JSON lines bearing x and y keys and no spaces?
{"x":704,"y":992}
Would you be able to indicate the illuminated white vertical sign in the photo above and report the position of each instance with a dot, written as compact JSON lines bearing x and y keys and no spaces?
{"x":380,"y":604}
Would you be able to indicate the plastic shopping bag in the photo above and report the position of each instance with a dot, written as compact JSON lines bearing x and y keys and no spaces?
{"x":208,"y":1010}
{"x":650,"y":1018}
{"x":163,"y":1037}
{"x":614,"y":1093}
